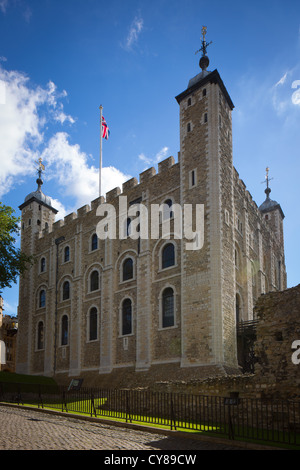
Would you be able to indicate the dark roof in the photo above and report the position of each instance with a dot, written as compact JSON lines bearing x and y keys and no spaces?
{"x":269,"y":205}
{"x":201,"y":79}
{"x":39,"y":197}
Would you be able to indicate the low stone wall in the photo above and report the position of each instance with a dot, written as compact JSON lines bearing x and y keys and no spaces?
{"x":275,"y":376}
{"x":278,"y":328}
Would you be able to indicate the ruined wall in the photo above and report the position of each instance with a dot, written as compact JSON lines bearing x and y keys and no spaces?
{"x":278,"y":329}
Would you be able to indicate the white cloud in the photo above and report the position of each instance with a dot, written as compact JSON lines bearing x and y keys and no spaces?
{"x":20,"y":126}
{"x":157,"y":158}
{"x":284,"y":99}
{"x":3,"y":5}
{"x":282,"y":80}
{"x":134,"y":32}
{"x":67,"y":164}
{"x":24,"y":115}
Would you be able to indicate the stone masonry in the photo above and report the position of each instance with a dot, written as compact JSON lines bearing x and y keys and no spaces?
{"x":81,"y":313}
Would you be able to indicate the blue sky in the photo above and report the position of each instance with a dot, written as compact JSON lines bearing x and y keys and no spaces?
{"x":61,"y":59}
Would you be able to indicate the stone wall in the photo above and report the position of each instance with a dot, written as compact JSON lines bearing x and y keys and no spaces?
{"x":278,"y":328}
{"x":276,"y":375}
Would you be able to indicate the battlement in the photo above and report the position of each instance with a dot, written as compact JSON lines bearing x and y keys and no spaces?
{"x":238,"y":182}
{"x":111,"y":195}
{"x":263,"y":223}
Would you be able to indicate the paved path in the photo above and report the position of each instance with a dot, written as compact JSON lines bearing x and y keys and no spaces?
{"x":22,"y":429}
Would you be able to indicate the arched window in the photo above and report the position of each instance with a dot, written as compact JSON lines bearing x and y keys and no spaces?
{"x":127,"y":317}
{"x":94,"y":243}
{"x":64,"y":330}
{"x":93,"y":324}
{"x":40,"y":335}
{"x":67,"y":254}
{"x":128,"y":226}
{"x":66,"y":290}
{"x":43,"y":265}
{"x":168,"y":256}
{"x":168,"y":307}
{"x":167,"y":209}
{"x":42,"y":298}
{"x":94,"y":281}
{"x":127,"y":268}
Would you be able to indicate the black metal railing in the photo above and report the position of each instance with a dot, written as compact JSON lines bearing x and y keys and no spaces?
{"x":267,"y":421}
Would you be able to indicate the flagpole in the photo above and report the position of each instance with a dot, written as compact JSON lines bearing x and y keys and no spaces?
{"x":100,"y":168}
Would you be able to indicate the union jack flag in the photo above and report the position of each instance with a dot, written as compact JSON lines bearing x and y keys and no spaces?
{"x":105,"y":129}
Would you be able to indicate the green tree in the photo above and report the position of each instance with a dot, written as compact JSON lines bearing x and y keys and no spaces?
{"x":13,"y":262}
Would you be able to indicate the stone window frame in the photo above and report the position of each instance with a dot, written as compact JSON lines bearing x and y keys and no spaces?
{"x":92,"y":270}
{"x":38,"y":340}
{"x":160,"y":303}
{"x":61,"y":290}
{"x":193,"y":184}
{"x":88,"y":324}
{"x":124,"y":257}
{"x":237,"y":257}
{"x":42,"y":267}
{"x":121,"y":334}
{"x":92,"y":237}
{"x":64,"y":260}
{"x":40,"y":289}
{"x":226,"y":217}
{"x":162,"y":214}
{"x":61,"y":344}
{"x":160,"y":255}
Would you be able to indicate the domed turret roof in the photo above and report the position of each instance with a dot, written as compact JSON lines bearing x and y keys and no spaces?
{"x":38,"y":194}
{"x":269,"y":205}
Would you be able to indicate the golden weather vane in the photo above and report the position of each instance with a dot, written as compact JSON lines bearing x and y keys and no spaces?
{"x":204,"y":43}
{"x":41,"y":166}
{"x":267,"y":180}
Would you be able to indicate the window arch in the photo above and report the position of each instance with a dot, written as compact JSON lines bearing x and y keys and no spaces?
{"x":168,"y":310}
{"x":94,"y":280}
{"x":127,"y":317}
{"x":168,"y":256}
{"x":128,"y":227}
{"x":93,"y":324}
{"x":64,"y":330}
{"x":66,"y":290}
{"x":94,"y":242}
{"x":127,"y":269}
{"x":40,"y":335}
{"x":42,"y":298}
{"x":167,"y":209}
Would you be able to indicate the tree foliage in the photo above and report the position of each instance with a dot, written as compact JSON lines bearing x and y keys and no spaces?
{"x":13,"y":262}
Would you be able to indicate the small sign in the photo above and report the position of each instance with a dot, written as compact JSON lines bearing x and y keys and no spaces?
{"x":75,"y":384}
{"x":231,"y":401}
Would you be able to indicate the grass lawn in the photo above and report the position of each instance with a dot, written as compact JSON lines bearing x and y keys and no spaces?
{"x":10,"y":377}
{"x":82,"y":405}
